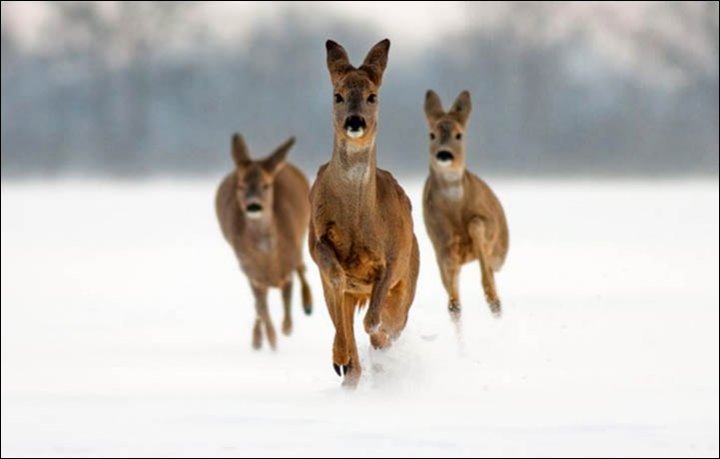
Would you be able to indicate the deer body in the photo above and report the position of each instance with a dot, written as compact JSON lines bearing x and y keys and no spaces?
{"x":464,"y":219}
{"x":361,"y":230}
{"x":263,"y":210}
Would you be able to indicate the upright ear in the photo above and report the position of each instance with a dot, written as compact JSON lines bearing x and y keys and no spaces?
{"x":239,"y":150}
{"x":337,"y":61}
{"x":433,"y":107}
{"x":376,"y":61}
{"x":460,"y":109}
{"x":276,"y":160}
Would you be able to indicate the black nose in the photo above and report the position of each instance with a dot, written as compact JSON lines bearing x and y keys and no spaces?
{"x":254,"y":207}
{"x":444,"y":156}
{"x":355,"y":123}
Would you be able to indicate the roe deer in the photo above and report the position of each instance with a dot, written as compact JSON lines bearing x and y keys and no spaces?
{"x":263,"y":209}
{"x":361,"y":229}
{"x":463,"y":217}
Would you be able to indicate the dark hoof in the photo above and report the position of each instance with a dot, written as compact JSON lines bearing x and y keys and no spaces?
{"x":454,"y":310}
{"x":307,"y":308}
{"x":341,"y":370}
{"x":495,"y":308}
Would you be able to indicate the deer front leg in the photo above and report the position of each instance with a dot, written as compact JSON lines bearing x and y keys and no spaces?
{"x":377,"y":301}
{"x":340,"y":350}
{"x":287,"y":302}
{"x":323,"y":252}
{"x":352,"y":369}
{"x":478,"y":233}
{"x":257,"y":333}
{"x":333,"y":282}
{"x":263,"y":315}
{"x":450,"y":272}
{"x":305,"y":290}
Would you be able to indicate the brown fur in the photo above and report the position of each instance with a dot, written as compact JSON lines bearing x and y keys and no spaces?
{"x":268,"y":247}
{"x":361,"y":229}
{"x":463,"y":217}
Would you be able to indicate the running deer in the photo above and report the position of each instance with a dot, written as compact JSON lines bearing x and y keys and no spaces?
{"x":361,"y":229}
{"x":463,"y":217}
{"x":263,"y":210}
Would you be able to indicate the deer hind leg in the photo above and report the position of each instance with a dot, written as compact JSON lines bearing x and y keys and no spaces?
{"x":262,"y":319}
{"x":478,"y":233}
{"x":305,"y":289}
{"x":287,"y":303}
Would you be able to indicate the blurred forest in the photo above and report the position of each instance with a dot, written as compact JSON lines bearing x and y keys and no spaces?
{"x":110,"y":95}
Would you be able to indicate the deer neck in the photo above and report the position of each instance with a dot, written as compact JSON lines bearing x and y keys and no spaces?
{"x":450,"y":183}
{"x":354,"y":171}
{"x":262,"y":232}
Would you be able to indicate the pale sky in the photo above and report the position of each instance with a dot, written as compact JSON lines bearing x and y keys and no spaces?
{"x":611,"y":28}
{"x":413,"y":25}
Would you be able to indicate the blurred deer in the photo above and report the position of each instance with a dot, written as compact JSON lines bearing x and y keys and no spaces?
{"x":361,"y":229}
{"x":463,"y":217}
{"x":263,"y":210}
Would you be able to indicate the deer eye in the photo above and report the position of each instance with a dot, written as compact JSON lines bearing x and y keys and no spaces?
{"x":266,"y":186}
{"x":339,"y":99}
{"x":372,"y":98}
{"x":458,"y":136}
{"x":432,"y":136}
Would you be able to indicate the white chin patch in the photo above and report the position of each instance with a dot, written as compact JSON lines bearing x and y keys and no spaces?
{"x":253,"y":215}
{"x":355,"y":134}
{"x":444,"y":162}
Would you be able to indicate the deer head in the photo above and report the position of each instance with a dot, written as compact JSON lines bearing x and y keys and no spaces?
{"x":255,"y":178}
{"x":447,"y":131}
{"x":355,"y":92}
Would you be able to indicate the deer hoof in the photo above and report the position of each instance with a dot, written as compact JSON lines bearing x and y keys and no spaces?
{"x":495,"y":307}
{"x":372,"y":324}
{"x":454,"y":307}
{"x":287,"y":328}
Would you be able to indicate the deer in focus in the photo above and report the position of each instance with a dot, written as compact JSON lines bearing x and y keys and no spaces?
{"x":361,"y":229}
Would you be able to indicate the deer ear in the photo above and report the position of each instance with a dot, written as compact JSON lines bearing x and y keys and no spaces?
{"x":337,"y":61}
{"x":273,"y":163}
{"x":461,"y":108}
{"x":239,"y":151}
{"x":433,"y":107}
{"x":376,"y":61}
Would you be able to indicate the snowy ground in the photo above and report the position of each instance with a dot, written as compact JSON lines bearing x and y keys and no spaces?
{"x":126,"y":331}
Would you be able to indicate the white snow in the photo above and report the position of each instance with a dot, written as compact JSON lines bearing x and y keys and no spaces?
{"x":126,"y":331}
